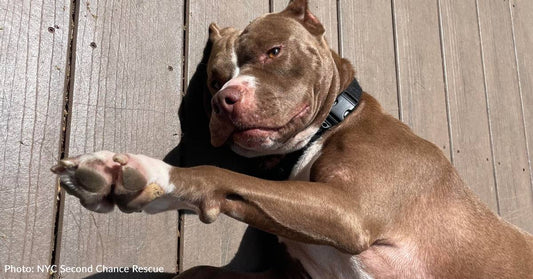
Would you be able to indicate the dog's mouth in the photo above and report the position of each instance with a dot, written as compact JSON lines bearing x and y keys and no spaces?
{"x":255,"y":132}
{"x":254,"y":137}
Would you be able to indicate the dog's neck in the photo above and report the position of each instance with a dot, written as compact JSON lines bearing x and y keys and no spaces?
{"x":279,"y":167}
{"x":345,"y":70}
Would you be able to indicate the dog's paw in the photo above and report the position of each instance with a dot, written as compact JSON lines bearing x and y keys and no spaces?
{"x":102,"y":179}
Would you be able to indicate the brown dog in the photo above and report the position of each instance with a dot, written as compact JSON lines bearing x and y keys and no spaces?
{"x":366,"y":198}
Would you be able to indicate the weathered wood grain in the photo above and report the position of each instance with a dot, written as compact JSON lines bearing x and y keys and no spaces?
{"x":126,"y":94}
{"x":325,"y":11}
{"x":478,"y":75}
{"x":33,"y":54}
{"x":214,"y":244}
{"x":420,"y":73}
{"x":515,"y":196}
{"x":521,"y":12}
{"x":368,"y":41}
{"x":470,"y":136}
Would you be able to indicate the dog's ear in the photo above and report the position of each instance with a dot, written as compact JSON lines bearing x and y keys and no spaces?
{"x":214,"y":32}
{"x":299,"y":9}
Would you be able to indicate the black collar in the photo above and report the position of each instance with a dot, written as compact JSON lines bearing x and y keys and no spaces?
{"x":344,"y":104}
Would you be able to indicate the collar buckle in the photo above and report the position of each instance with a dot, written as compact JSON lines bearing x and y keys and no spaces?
{"x":344,"y":104}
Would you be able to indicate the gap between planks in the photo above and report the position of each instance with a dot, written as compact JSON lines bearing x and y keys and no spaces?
{"x":65,"y":130}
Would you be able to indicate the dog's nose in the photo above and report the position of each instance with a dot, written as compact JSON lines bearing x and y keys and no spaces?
{"x":224,"y":101}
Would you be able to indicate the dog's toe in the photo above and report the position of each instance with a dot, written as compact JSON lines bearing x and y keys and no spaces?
{"x":122,"y":159}
{"x":132,"y":179}
{"x":90,"y":179}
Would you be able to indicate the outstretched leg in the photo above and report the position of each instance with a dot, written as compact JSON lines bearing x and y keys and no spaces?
{"x":298,"y":210}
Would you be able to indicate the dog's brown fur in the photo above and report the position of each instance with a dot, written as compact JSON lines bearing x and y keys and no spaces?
{"x":376,"y":192}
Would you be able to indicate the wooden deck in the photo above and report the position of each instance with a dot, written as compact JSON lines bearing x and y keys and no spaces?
{"x":83,"y":76}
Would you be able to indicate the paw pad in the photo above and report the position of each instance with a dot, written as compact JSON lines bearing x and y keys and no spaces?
{"x":89,"y":179}
{"x":132,"y":179}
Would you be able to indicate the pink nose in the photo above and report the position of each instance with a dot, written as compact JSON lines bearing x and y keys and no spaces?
{"x":225,"y":101}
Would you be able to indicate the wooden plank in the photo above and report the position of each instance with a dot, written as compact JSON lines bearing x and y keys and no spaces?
{"x":466,"y":98}
{"x":521,"y":12}
{"x":214,"y":244}
{"x":125,"y":99}
{"x":515,"y":193}
{"x":368,"y":41}
{"x":33,"y":54}
{"x":420,"y":73}
{"x":325,"y":11}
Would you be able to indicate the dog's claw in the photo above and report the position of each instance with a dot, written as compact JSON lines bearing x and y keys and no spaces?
{"x":64,"y":165}
{"x":122,"y":159}
{"x":57,"y":169}
{"x":69,"y":164}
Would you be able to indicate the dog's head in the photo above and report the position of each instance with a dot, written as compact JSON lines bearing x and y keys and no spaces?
{"x":272,"y":84}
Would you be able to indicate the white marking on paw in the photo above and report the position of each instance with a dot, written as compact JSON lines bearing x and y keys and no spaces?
{"x":157,"y":172}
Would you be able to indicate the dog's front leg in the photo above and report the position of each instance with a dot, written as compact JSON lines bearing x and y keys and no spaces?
{"x":298,"y":210}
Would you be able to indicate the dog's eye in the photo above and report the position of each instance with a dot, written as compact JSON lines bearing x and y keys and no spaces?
{"x":273,"y":52}
{"x":215,"y":84}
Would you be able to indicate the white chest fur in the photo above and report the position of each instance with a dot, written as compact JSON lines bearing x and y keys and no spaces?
{"x":320,"y":261}
{"x":302,"y":169}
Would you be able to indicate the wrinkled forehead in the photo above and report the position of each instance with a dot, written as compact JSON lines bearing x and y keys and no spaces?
{"x":267,"y":30}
